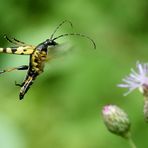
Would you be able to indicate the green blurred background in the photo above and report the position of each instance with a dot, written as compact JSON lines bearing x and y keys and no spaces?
{"x":63,"y":107}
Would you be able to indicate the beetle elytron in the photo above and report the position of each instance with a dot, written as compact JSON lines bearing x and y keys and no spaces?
{"x":38,"y":56}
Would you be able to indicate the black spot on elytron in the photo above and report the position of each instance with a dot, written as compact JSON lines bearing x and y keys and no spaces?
{"x":36,"y":60}
{"x":22,"y":53}
{"x":37,"y":66}
{"x":14,"y":50}
{"x":24,"y":50}
{"x":4,"y":50}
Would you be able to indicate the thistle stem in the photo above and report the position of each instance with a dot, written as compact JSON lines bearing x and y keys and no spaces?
{"x":131,"y":143}
{"x":146,"y":109}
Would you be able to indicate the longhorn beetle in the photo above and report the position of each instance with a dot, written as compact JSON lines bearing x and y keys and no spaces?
{"x":38,"y":56}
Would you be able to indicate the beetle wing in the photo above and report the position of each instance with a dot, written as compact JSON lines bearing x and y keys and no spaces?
{"x":21,"y":50}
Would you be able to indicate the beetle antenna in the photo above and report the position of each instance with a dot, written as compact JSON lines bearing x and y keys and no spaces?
{"x":65,"y":21}
{"x":76,"y":34}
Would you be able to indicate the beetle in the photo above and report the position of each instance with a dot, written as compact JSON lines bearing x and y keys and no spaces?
{"x":38,"y":56}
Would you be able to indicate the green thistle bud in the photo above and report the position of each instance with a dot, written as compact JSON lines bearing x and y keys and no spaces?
{"x":116,"y":120}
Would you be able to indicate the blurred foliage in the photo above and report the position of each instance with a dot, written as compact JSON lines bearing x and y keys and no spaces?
{"x":63,"y":107}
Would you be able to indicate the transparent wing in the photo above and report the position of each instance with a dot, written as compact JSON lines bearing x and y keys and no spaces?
{"x":59,"y":49}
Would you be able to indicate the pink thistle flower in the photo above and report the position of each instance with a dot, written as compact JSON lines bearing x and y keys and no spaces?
{"x":137,"y":79}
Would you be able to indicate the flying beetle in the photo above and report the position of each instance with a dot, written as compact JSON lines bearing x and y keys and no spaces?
{"x":38,"y":56}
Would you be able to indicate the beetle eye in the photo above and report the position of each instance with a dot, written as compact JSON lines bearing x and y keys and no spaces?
{"x":53,"y":43}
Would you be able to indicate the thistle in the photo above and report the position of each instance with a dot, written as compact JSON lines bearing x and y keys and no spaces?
{"x":138,"y":79}
{"x":117,"y":122}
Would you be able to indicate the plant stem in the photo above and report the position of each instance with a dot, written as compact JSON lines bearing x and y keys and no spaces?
{"x":131,"y":143}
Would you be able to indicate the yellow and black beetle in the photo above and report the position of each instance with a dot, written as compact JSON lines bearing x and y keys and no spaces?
{"x":38,"y":56}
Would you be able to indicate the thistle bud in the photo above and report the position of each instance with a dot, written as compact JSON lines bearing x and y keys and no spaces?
{"x":116,"y":120}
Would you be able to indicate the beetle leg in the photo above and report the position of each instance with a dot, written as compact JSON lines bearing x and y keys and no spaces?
{"x":23,"y":67}
{"x":14,"y":41}
{"x":17,"y":84}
